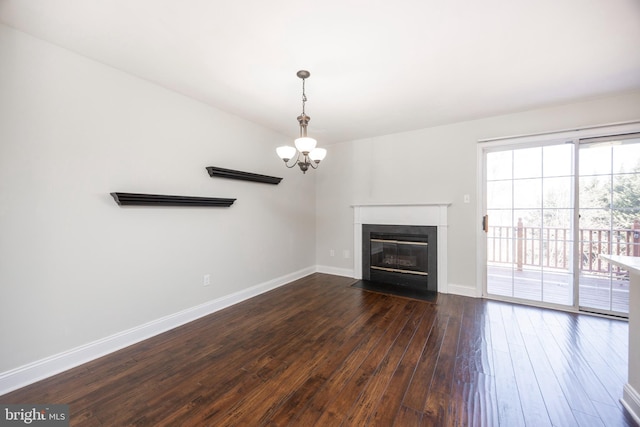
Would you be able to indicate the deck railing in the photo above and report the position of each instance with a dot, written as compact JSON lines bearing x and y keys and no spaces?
{"x":551,"y":247}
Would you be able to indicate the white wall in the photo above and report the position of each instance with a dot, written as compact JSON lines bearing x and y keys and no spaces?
{"x":74,"y":266}
{"x":434,"y":165}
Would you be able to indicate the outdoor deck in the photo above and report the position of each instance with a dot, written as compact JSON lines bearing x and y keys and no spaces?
{"x":556,"y":288}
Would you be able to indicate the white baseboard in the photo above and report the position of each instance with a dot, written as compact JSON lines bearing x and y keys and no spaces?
{"x":346,"y":272}
{"x":464,"y":291}
{"x":52,"y":365}
{"x":631,"y":401}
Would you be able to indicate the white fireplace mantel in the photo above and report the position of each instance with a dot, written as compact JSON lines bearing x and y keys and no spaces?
{"x":430,"y":214}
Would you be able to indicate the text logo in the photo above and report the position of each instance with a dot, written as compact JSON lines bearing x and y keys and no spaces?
{"x":34,"y":415}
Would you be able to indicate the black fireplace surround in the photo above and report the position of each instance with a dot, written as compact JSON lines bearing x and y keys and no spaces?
{"x":401,"y":255}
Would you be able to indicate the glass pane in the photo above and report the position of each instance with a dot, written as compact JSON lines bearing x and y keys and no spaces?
{"x":557,"y":287}
{"x":557,"y":160}
{"x":595,"y":159}
{"x":625,"y":212}
{"x":620,"y":291}
{"x":528,"y":283}
{"x":499,"y":165}
{"x":605,"y":287}
{"x":500,"y":279}
{"x":529,"y":232}
{"x":527,"y":163}
{"x":626,"y":156}
{"x":595,"y":218}
{"x":412,"y":257}
{"x":500,"y":236}
{"x":556,"y":250}
{"x":527,"y":193}
{"x":624,"y":241}
{"x":500,"y":218}
{"x":595,"y":192}
{"x":626,"y":200}
{"x":530,"y":218}
{"x":595,"y":290}
{"x":500,"y":249}
{"x":557,"y":192}
{"x":499,"y":194}
{"x":558,"y":219}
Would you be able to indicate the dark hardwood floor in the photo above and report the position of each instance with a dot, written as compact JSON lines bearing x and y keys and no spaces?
{"x":319,"y":352}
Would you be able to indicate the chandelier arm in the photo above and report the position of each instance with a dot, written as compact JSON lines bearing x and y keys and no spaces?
{"x":309,"y":162}
{"x":294,"y":163}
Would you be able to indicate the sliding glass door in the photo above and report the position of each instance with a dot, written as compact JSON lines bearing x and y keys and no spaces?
{"x":552,"y":208}
{"x":529,"y":204}
{"x":609,"y":188}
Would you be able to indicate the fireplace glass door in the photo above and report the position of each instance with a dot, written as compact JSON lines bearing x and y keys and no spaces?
{"x":399,"y":255}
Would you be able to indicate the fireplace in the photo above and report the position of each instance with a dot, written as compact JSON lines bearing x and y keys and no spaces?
{"x":412,"y":214}
{"x":400,"y":255}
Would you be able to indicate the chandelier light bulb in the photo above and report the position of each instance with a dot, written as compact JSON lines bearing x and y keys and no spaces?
{"x":286,"y":152}
{"x":317,"y":154}
{"x":305,"y":144}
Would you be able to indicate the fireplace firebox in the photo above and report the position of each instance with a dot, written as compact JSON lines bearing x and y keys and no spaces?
{"x":401,"y":255}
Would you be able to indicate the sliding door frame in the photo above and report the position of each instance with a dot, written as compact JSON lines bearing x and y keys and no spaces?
{"x":521,"y":141}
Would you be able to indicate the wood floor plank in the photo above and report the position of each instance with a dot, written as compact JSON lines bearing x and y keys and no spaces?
{"x":474,"y":387}
{"x":440,"y":408}
{"x":336,"y":409}
{"x":460,"y":412}
{"x":368,"y":400}
{"x":604,"y":344}
{"x":563,"y":347}
{"x":391,"y":401}
{"x":482,"y":401}
{"x":558,"y":407}
{"x":533,"y":405}
{"x":586,"y":420}
{"x":409,"y":417}
{"x":444,"y":370}
{"x":418,"y":390}
{"x":320,"y":352}
{"x":437,"y":412}
{"x":508,"y":397}
{"x":473,"y":353}
{"x":572,"y":389}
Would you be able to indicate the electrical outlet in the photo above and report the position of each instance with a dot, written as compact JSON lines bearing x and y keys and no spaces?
{"x":346,"y":253}
{"x":206,"y":280}
{"x":332,"y":252}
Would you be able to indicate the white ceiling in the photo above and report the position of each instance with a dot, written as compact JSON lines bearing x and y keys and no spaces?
{"x":377,"y":66}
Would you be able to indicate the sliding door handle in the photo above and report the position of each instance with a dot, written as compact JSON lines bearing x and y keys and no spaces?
{"x":485,"y":223}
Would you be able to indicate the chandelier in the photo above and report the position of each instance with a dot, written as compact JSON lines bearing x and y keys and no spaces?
{"x":305,"y":151}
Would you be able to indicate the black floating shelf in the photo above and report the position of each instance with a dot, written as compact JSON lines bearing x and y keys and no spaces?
{"x":244,"y":176}
{"x":135,"y":199}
